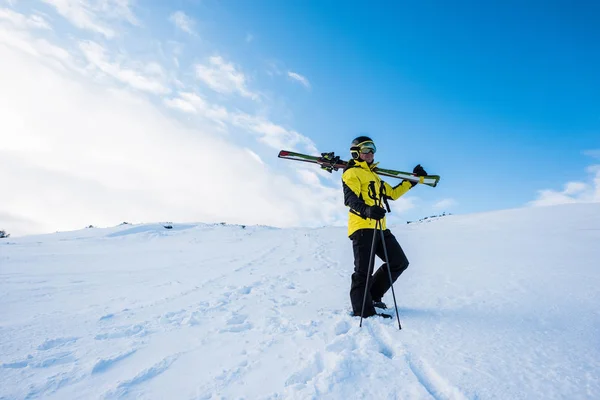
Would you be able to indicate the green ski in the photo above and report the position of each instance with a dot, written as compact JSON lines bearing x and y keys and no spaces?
{"x":330,"y":162}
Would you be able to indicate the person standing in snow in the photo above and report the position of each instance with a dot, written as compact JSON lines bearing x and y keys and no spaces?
{"x":362,"y":190}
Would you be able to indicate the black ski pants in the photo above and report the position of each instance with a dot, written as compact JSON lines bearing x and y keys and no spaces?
{"x":380,"y":282}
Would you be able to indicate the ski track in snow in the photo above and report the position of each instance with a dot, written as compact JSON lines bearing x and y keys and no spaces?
{"x":206,"y":312}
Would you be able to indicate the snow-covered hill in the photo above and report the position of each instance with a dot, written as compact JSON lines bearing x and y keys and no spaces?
{"x":500,"y":305}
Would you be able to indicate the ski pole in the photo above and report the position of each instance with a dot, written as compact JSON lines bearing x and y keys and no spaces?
{"x":379,"y":227}
{"x":389,"y":271}
{"x":385,"y":252}
{"x":371,"y":262}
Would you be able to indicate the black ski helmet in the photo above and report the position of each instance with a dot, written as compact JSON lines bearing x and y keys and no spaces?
{"x":355,"y":145}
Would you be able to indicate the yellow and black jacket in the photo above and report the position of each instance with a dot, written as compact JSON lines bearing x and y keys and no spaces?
{"x":362,"y":188}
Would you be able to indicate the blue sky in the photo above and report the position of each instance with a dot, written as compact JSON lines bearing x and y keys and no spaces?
{"x":500,"y":99}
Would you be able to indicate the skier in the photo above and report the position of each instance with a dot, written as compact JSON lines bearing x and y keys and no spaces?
{"x":362,"y":191}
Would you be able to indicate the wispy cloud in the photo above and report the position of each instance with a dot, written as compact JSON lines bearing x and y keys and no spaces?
{"x":297,"y":77}
{"x":573,"y":192}
{"x":273,"y":135}
{"x":193,"y":103}
{"x":274,"y":67}
{"x":592,"y":153}
{"x":23,"y":21}
{"x":21,"y":39}
{"x":223,"y":77}
{"x":267,"y":132}
{"x":93,"y":15}
{"x":181,"y":105}
{"x":96,"y":56}
{"x":183,"y":22}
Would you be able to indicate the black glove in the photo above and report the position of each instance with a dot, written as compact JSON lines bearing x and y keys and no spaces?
{"x":375,"y":212}
{"x":419,"y":171}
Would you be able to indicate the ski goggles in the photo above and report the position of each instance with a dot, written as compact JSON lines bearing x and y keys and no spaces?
{"x":367,"y":147}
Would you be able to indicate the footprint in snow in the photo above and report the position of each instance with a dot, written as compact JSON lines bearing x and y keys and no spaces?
{"x":284,"y":301}
{"x":237,"y":319}
{"x":104,"y":364}
{"x":173,"y":317}
{"x":18,"y":364}
{"x":64,"y":357}
{"x":58,"y":342}
{"x":193,"y":318}
{"x":341,"y":343}
{"x":245,"y":290}
{"x":342,"y":327}
{"x":59,"y":358}
{"x":122,"y":332}
{"x":312,"y":368}
{"x":237,"y":323}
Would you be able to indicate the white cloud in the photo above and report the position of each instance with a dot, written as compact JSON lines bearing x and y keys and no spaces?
{"x":268,"y":132}
{"x":96,"y":56}
{"x":155,"y":69}
{"x":573,"y":192}
{"x":444,"y":204}
{"x":273,"y":135}
{"x":592,"y":153}
{"x":194,"y":104}
{"x":95,"y":15}
{"x":22,"y":21}
{"x":297,"y":77}
{"x":183,"y":22}
{"x":181,"y":105}
{"x":45,"y":51}
{"x":309,"y":177}
{"x":73,"y":153}
{"x":575,"y":188}
{"x":223,"y":77}
{"x":115,"y":9}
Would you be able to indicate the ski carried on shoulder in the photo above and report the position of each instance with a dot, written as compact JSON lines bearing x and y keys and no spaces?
{"x":330,"y":162}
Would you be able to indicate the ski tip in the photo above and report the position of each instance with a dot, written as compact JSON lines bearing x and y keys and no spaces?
{"x":284,"y":153}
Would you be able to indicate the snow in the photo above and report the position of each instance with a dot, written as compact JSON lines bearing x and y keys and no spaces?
{"x":500,"y":305}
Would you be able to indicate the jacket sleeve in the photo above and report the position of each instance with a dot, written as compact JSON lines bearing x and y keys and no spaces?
{"x":352,"y":197}
{"x":396,"y":191}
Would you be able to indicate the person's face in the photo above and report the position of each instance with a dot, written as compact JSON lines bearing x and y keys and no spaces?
{"x":368,"y":157}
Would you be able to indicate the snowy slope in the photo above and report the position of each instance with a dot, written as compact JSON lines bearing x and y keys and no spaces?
{"x":500,"y":305}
